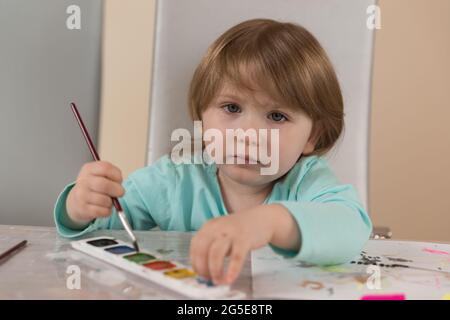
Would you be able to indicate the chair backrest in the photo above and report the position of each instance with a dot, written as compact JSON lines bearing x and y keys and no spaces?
{"x":43,"y":67}
{"x":184,"y":29}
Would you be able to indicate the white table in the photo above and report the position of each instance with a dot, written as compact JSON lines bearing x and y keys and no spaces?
{"x":41,"y":270}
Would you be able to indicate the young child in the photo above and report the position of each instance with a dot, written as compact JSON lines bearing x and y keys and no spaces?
{"x":260,"y":74}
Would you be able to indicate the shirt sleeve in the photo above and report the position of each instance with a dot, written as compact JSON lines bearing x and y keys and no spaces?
{"x":333,"y":224}
{"x":134,"y":206}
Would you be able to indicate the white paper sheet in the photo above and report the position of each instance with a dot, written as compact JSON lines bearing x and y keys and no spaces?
{"x":419,"y":270}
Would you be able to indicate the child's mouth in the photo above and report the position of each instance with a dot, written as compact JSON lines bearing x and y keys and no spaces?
{"x":242,"y":159}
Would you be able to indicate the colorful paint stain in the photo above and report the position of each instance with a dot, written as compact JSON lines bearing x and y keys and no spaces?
{"x":436,"y":251}
{"x":398,"y":259}
{"x":207,"y":282}
{"x":120,"y":249}
{"x":140,"y":257}
{"x":180,"y":273}
{"x":362,"y":278}
{"x":164,"y":251}
{"x":160,"y":265}
{"x":315,"y":285}
{"x":336,"y":268}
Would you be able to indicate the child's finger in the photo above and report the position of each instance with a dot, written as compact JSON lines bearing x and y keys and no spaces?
{"x":105,"y":186}
{"x":96,"y":211}
{"x":199,"y":253}
{"x":104,"y":169}
{"x":216,"y":256}
{"x":238,"y":254}
{"x":99,"y":199}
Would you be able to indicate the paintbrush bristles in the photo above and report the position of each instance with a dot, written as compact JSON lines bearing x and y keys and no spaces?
{"x":126,"y":225}
{"x":136,"y":247}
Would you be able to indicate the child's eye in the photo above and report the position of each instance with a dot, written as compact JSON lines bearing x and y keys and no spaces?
{"x":232,"y":108}
{"x":277,"y":117}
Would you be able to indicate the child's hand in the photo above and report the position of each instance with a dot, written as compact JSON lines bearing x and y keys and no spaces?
{"x":232,"y":235}
{"x":90,"y":198}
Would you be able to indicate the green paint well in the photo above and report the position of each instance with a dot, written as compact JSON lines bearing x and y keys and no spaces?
{"x":140,"y":257}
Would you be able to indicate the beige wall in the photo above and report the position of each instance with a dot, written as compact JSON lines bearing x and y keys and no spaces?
{"x":410,"y":153}
{"x":410,"y":144}
{"x":126,"y":67}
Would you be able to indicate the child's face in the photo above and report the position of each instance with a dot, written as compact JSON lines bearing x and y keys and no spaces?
{"x":233,"y":108}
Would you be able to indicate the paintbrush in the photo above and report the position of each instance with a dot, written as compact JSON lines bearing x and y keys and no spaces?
{"x":10,"y":252}
{"x":120,"y":213}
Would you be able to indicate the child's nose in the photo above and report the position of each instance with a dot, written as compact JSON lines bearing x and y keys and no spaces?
{"x":253,"y":122}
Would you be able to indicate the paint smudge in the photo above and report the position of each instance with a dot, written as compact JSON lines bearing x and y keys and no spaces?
{"x":164,"y":251}
{"x":336,"y":269}
{"x":330,"y":291}
{"x":399,"y":259}
{"x":361,"y":278}
{"x":206,"y":282}
{"x":302,"y":264}
{"x":437,"y":281}
{"x":315,"y":285}
{"x":376,"y":260}
{"x":397,"y":266}
{"x":366,"y":259}
{"x":429,"y":250}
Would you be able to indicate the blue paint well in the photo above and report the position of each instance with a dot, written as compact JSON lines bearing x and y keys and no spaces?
{"x":120,"y":249}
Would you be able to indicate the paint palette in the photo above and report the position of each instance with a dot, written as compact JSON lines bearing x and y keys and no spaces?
{"x":153,"y":267}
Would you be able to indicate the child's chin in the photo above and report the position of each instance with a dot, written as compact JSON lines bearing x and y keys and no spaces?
{"x":246,"y":174}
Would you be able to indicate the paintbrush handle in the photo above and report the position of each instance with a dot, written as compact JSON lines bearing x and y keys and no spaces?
{"x":91,"y":146}
{"x":8,"y":253}
{"x":96,"y":157}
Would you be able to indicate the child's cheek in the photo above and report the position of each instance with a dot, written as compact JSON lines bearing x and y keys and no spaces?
{"x":289,"y":153}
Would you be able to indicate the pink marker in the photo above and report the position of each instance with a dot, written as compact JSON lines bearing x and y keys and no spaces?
{"x":399,"y":296}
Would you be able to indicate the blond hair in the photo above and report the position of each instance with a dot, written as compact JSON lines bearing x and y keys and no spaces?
{"x":284,"y":59}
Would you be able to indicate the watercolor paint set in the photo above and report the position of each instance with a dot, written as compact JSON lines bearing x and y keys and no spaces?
{"x":169,"y":274}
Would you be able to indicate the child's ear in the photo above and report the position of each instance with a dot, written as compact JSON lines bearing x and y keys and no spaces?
{"x":313,"y":138}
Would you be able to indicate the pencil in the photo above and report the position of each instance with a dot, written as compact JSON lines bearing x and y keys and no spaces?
{"x":10,"y":252}
{"x":94,"y":153}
